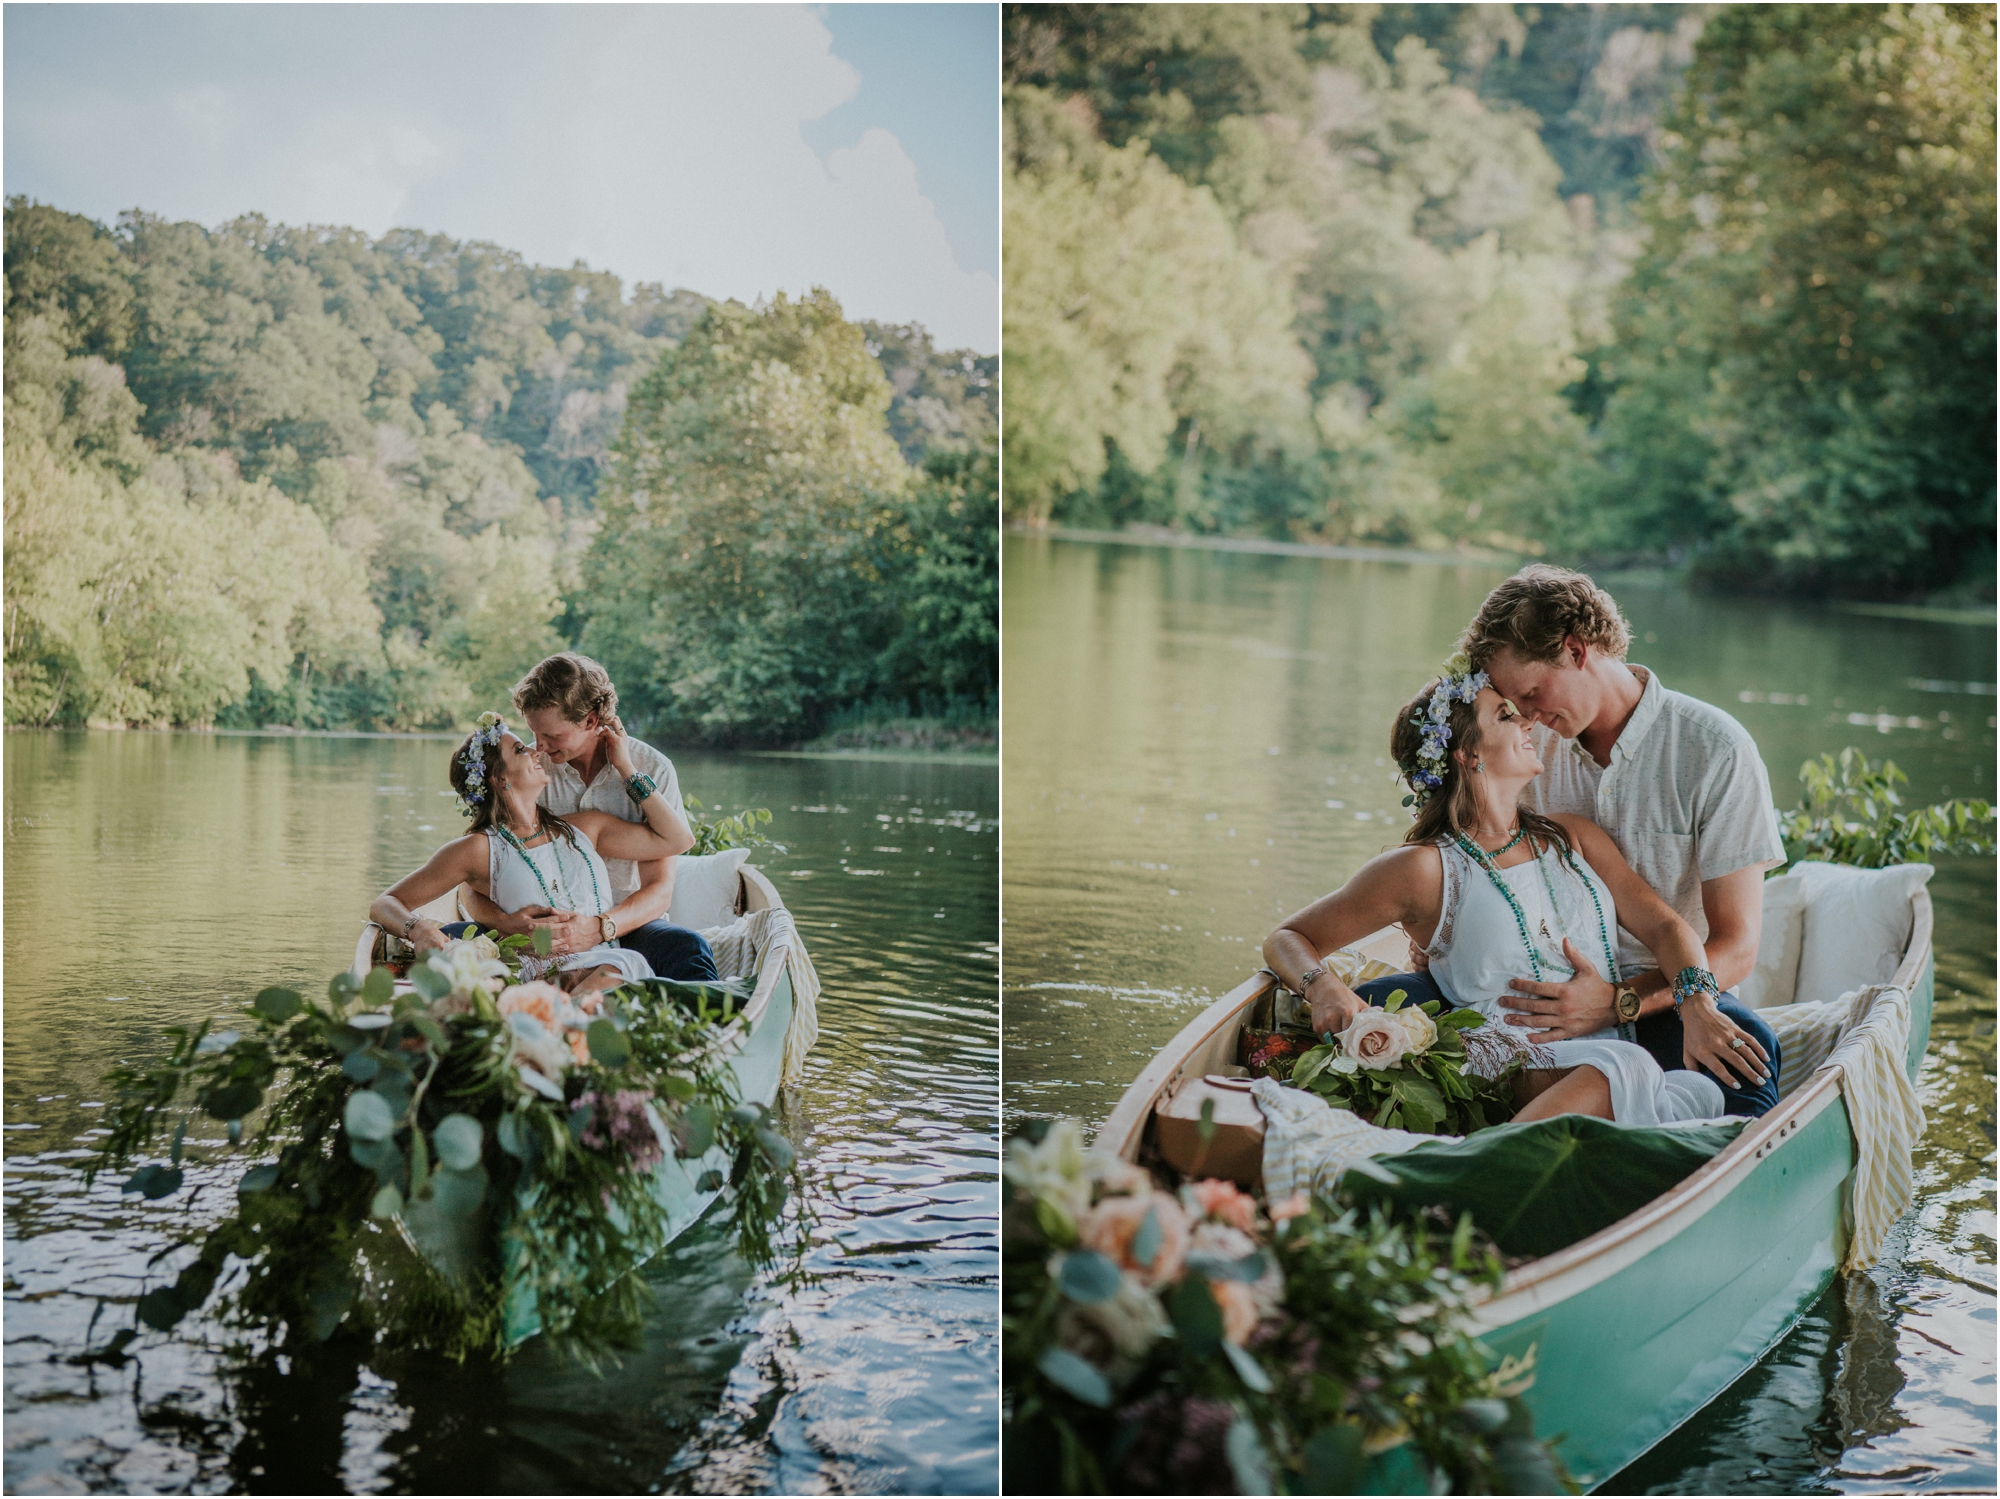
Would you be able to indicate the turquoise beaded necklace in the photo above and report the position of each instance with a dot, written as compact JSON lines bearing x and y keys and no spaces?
{"x":1485,"y":861}
{"x":535,"y":869}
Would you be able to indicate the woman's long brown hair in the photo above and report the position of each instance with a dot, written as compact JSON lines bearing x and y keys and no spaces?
{"x":1452,"y":807}
{"x":485,"y":814}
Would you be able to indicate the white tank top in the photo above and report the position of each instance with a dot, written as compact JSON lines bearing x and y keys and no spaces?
{"x":572,"y":879}
{"x":1476,"y":951}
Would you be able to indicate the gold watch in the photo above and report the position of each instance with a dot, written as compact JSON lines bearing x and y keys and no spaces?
{"x":608,"y":927}
{"x":1626,"y":999}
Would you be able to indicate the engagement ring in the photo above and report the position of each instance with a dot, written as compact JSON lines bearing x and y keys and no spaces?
{"x":1735,"y":1043}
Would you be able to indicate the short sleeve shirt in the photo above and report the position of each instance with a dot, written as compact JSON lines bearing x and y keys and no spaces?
{"x":1686,"y":798}
{"x":566,"y":793}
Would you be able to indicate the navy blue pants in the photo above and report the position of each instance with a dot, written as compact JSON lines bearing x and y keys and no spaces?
{"x":1659,"y":1033}
{"x":675,"y":952}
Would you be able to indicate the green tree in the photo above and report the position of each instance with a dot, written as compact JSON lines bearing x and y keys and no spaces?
{"x":1804,"y":368}
{"x":732,"y":590}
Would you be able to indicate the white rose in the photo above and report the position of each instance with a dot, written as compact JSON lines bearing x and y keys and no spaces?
{"x":1055,"y":1171}
{"x":1123,"y":1325}
{"x":1375,"y":1039}
{"x":1420,"y":1027}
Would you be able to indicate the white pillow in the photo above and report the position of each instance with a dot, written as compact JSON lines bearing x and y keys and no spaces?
{"x":1857,"y":924}
{"x":705,"y":888}
{"x":1776,"y":977}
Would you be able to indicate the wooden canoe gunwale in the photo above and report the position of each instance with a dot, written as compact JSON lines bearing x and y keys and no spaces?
{"x":1532,"y":1288}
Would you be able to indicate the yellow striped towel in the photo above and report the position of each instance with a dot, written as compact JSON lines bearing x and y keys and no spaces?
{"x":745,"y":947}
{"x":1865,"y":1033}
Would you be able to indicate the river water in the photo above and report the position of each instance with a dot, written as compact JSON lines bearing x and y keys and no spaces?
{"x":1195,"y":747}
{"x":152,"y":877}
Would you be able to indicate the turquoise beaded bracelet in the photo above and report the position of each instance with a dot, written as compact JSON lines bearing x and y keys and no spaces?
{"x":640,"y":787}
{"x":1694,"y":981}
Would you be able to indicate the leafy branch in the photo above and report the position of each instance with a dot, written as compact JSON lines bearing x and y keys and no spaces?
{"x":1851,"y":814}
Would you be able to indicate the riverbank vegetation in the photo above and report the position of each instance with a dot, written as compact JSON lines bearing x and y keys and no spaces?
{"x":1706,"y":285}
{"x":262,"y":474}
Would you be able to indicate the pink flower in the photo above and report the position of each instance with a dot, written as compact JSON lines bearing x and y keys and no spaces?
{"x":1375,"y":1039}
{"x":542,"y":1001}
{"x":621,"y":1125}
{"x":1223,"y":1201}
{"x":1292,"y":1207}
{"x":1239,"y":1309}
{"x":1111,"y":1227}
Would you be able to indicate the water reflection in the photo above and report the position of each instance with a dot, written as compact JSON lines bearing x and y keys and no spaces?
{"x":1195,"y":747}
{"x":154,"y":874}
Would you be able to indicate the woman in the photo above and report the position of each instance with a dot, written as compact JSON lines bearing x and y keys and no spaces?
{"x":1492,"y":891}
{"x":518,"y":854}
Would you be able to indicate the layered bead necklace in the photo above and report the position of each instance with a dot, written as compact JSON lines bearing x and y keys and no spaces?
{"x":535,"y":869}
{"x":1486,"y":862}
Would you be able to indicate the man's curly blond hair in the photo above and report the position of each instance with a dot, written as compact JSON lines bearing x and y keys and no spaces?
{"x":1534,"y":611}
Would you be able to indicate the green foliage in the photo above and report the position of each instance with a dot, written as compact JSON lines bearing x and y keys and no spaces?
{"x":1429,"y":1093}
{"x":714,"y":834}
{"x":767,"y":557}
{"x":1345,"y":294}
{"x":1125,"y":1374}
{"x":1802,"y":382}
{"x":378,"y":1106}
{"x":264,"y":474}
{"x":1851,"y":814}
{"x":1541,"y":1186}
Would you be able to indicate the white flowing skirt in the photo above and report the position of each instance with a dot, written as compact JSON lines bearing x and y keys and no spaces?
{"x":1642,"y":1092}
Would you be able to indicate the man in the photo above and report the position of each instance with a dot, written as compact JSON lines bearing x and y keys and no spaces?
{"x":567,"y":700}
{"x":1678,"y":785}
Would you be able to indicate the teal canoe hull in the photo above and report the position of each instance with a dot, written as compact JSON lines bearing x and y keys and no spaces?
{"x":1622,"y":1360}
{"x":756,"y":1070}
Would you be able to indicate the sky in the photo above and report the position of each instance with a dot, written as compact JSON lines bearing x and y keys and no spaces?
{"x":735,"y":150}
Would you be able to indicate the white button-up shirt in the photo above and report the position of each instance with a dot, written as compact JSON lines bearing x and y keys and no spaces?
{"x":566,"y":793}
{"x":1685,"y":797}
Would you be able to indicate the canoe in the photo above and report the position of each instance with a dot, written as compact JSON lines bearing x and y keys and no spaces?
{"x":1636,"y":1328}
{"x":753,"y":1045}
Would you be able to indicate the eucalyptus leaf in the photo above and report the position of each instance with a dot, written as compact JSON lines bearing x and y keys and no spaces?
{"x":420,"y":1163}
{"x":1088,"y":1277}
{"x":511,"y":1135}
{"x":154,"y":1182}
{"x":1334,"y":1461}
{"x":180,"y":1137}
{"x":1076,"y":1376}
{"x":1197,"y":1318}
{"x":387,"y":1202}
{"x":429,"y":1029}
{"x":459,"y":1194}
{"x":257,"y":1179}
{"x":1248,"y":1370}
{"x":234,"y":1130}
{"x":698,"y":1124}
{"x":234,"y":1101}
{"x":369,"y":1020}
{"x":777,"y":1149}
{"x":459,"y":1140}
{"x":608,"y":1048}
{"x":1146,"y":1242}
{"x":341,"y":988}
{"x":747,"y":1115}
{"x":1249,"y":1463}
{"x":278,"y":1004}
{"x":161,"y":1307}
{"x":368,"y":1117}
{"x":428,"y":982}
{"x":361,"y":1065}
{"x":379,"y":987}
{"x":709,"y":1181}
{"x":217,"y":1041}
{"x":678,"y":1088}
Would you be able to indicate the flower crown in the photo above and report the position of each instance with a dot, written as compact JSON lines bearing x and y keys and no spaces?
{"x":473,"y":758}
{"x":1459,"y":684}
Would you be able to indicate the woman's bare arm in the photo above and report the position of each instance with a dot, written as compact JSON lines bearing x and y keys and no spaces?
{"x":1403,"y":886}
{"x":616,"y":838}
{"x":461,"y":861}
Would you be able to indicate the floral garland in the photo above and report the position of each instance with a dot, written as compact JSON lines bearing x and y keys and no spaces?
{"x":513,"y":1117}
{"x":473,"y":758}
{"x":1459,"y":684}
{"x":1199,"y":1342}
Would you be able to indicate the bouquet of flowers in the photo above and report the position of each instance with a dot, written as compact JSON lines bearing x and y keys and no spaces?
{"x":510,"y":1130}
{"x":1197,"y":1342}
{"x":1403,"y":1067}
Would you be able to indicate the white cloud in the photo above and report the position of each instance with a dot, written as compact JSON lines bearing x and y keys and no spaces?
{"x":659,"y":142}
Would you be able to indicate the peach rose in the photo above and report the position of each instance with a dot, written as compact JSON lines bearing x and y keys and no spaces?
{"x":1375,"y":1039}
{"x":1111,"y":1226}
{"x":543,"y":1001}
{"x":1297,"y":1205}
{"x":1223,"y":1201}
{"x":1239,"y":1309}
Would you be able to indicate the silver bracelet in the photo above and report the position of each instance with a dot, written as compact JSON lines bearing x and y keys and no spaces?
{"x":1309,"y":977}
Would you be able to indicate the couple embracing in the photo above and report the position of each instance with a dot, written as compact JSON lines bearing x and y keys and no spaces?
{"x":577,"y":832}
{"x":1585,"y":868}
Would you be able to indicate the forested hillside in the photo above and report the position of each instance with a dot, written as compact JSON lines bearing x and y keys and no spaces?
{"x":268,"y":474}
{"x":1697,"y":283}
